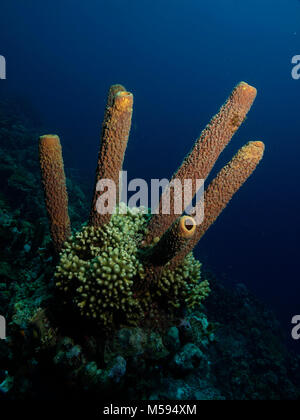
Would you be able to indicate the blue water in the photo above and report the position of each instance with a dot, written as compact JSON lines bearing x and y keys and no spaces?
{"x":180,"y":59}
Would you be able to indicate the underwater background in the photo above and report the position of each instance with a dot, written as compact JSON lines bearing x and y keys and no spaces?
{"x":180,"y":59}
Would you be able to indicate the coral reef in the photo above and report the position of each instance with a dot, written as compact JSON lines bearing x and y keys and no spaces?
{"x":106,"y":270}
{"x":230,"y":349}
{"x":100,"y":270}
{"x":237,"y":355}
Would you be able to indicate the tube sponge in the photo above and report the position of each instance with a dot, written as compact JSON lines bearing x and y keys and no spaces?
{"x":212,"y":141}
{"x":115,"y":133}
{"x":173,"y":241}
{"x":223,"y":187}
{"x":121,"y":266}
{"x":54,"y":184}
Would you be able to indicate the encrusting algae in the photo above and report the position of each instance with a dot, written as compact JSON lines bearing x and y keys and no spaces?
{"x":124,"y":263}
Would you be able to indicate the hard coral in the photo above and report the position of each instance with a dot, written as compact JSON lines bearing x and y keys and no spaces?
{"x":101,"y":272}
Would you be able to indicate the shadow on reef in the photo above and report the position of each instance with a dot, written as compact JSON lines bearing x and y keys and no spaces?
{"x":230,"y":348}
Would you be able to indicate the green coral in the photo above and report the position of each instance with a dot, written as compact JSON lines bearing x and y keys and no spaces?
{"x":100,"y":270}
{"x":184,"y":283}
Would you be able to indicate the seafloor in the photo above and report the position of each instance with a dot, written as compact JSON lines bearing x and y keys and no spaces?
{"x":231,"y":348}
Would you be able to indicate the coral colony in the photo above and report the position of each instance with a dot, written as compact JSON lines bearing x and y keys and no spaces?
{"x":124,"y":262}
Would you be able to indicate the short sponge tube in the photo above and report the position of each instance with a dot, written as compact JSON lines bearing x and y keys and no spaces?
{"x":174,"y":240}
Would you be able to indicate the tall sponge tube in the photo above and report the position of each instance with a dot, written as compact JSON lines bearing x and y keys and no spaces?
{"x":54,"y":184}
{"x":221,"y":190}
{"x":115,"y":133}
{"x":199,"y":162}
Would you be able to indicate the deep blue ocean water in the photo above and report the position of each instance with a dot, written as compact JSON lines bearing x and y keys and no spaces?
{"x":181,"y":59}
